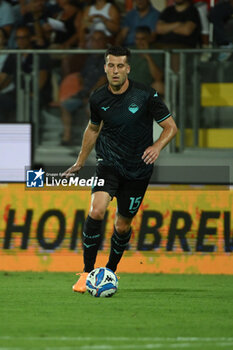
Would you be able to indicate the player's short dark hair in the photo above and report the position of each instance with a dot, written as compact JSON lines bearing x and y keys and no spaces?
{"x":118,"y":51}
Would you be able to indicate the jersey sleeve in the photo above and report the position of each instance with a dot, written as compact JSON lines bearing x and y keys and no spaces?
{"x":95,"y":117}
{"x":157,"y":108}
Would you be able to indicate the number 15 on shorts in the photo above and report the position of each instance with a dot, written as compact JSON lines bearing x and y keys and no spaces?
{"x":134,"y":204}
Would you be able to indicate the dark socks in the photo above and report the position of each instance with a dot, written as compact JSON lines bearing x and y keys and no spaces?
{"x":118,"y":245}
{"x":91,"y":242}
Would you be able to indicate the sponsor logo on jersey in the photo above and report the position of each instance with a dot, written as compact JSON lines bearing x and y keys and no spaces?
{"x":133,"y":108}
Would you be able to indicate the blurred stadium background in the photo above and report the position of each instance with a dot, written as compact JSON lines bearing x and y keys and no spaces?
{"x":190,"y":189}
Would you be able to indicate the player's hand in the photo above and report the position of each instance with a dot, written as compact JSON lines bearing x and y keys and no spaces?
{"x":73,"y":169}
{"x":151,"y":154}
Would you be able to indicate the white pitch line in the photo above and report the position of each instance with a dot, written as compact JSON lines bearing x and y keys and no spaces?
{"x":141,"y":339}
{"x":141,"y":347}
{"x":225,"y":344}
{"x":127,"y":347}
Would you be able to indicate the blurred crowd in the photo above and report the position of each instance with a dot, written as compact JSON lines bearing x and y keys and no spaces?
{"x":66,"y":81}
{"x":67,"y":24}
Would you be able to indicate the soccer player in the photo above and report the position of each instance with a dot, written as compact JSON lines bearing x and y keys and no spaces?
{"x":121,"y":126}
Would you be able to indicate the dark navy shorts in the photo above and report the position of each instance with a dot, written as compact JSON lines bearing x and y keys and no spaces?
{"x":129,"y":193}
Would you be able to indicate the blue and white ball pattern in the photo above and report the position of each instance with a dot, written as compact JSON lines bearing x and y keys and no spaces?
{"x":102,"y":282}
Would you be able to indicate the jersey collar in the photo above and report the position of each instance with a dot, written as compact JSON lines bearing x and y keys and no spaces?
{"x":119,"y":95}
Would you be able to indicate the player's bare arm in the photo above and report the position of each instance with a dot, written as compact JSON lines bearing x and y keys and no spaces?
{"x":89,"y":139}
{"x":169,"y":131}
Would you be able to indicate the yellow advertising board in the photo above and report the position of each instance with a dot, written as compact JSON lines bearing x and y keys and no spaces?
{"x":185,"y":230}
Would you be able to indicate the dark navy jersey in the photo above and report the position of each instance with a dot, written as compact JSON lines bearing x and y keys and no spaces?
{"x":127,"y":127}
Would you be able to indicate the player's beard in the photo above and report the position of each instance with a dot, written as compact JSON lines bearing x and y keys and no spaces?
{"x":116,"y":85}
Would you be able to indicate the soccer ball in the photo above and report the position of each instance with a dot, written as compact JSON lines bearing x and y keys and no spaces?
{"x":102,"y":282}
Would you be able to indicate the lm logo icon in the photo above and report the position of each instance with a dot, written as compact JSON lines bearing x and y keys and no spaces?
{"x":35,"y":178}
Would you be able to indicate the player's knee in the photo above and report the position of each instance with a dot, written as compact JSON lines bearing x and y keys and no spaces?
{"x":97,"y":213}
{"x":122,"y":227}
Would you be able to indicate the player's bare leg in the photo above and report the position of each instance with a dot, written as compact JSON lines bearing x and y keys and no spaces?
{"x":92,"y":236}
{"x":119,"y":240}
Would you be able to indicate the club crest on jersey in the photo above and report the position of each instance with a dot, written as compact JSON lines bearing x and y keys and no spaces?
{"x":133,"y":108}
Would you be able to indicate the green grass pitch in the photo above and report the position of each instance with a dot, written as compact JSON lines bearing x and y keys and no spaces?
{"x":149,"y":311}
